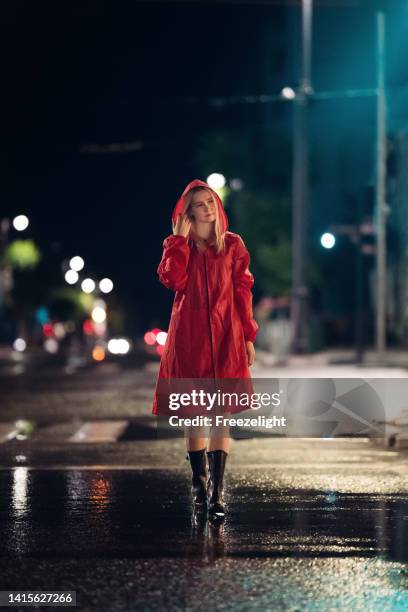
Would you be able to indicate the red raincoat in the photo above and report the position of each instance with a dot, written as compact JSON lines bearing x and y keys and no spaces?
{"x":211,"y":317}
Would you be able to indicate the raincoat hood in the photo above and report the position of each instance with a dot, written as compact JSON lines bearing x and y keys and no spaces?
{"x":178,"y":209}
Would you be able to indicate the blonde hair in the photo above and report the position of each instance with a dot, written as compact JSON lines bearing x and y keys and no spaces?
{"x":219,"y":235}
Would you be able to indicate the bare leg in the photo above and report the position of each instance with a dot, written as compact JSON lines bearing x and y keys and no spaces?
{"x":193,"y":444}
{"x":219,"y":444}
{"x":196,"y":437}
{"x":219,"y":438}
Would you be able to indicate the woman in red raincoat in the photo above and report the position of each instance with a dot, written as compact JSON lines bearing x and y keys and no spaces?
{"x":212,"y":329}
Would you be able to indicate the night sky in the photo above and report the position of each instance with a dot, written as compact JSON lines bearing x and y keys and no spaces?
{"x":76,"y":74}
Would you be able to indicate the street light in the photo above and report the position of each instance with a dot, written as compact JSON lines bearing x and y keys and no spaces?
{"x":19,"y":345}
{"x":106,"y":285}
{"x":98,"y":314}
{"x":88,"y":285}
{"x":216,"y":180}
{"x":288,"y":93}
{"x":236,"y":184}
{"x":20,"y":223}
{"x":76,"y":263}
{"x":71,"y":277}
{"x":327,"y":240}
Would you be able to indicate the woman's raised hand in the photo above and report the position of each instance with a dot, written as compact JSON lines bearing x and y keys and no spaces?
{"x":182,"y":226}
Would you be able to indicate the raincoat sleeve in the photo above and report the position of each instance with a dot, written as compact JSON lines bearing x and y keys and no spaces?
{"x":243,"y":282}
{"x":172,"y":270}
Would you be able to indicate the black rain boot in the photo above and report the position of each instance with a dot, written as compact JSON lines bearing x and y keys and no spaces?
{"x":216,"y":462}
{"x":199,"y":478}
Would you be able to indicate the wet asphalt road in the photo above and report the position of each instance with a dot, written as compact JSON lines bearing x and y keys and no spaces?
{"x":310,"y":525}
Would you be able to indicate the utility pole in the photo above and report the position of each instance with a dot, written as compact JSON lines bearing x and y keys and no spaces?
{"x":300,"y":188}
{"x":381,"y":260}
{"x":5,"y":271}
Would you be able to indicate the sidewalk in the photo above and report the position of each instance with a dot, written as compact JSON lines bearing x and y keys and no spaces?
{"x":335,"y":356}
{"x":331,"y":357}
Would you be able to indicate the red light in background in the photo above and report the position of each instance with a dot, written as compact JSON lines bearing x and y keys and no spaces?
{"x":155,"y":331}
{"x":159,"y":349}
{"x":149,"y":338}
{"x":48,"y":330}
{"x":88,"y":327}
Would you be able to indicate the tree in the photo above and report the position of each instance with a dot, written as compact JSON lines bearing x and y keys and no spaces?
{"x":261,"y":212}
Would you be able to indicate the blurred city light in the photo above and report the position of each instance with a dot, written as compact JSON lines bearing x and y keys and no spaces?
{"x":118,"y":346}
{"x":42,"y":315}
{"x":87,"y":285}
{"x":236,"y":184}
{"x":150,"y":338}
{"x":19,"y":344}
{"x":161,"y":338}
{"x":69,"y":327}
{"x":156,"y":330}
{"x":59,"y":330}
{"x":71,"y":277}
{"x":98,"y":314}
{"x":24,"y":426}
{"x":216,"y":180}
{"x":106,"y":285}
{"x":88,"y":327}
{"x":21,"y":459}
{"x":159,"y":349}
{"x":288,"y":93}
{"x":51,"y":345}
{"x":23,"y":254}
{"x":99,"y":328}
{"x":48,"y":330}
{"x":98,"y":353}
{"x":113,"y":346}
{"x":20,"y":223}
{"x":124,"y":346}
{"x":76,"y":263}
{"x":327,"y":240}
{"x":100,"y":303}
{"x":19,"y":487}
